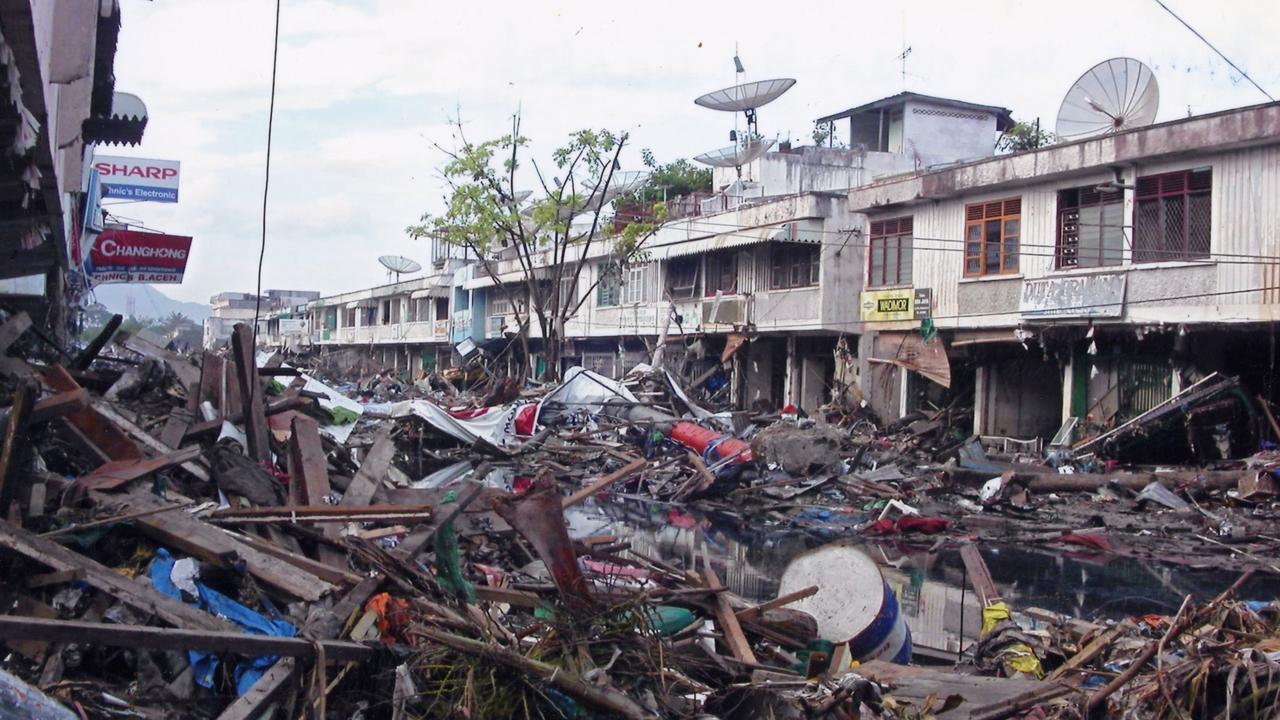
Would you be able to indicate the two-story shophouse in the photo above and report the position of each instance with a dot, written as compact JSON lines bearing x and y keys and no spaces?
{"x":1089,"y":279}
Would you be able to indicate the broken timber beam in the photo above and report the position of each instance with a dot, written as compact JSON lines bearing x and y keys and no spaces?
{"x":210,"y":544}
{"x":734,"y":638}
{"x":621,"y":473}
{"x":372,"y":470}
{"x":154,"y":638}
{"x":15,"y":440}
{"x":55,"y":406}
{"x":90,"y":352}
{"x":255,"y":418}
{"x":131,"y":592}
{"x":100,"y":432}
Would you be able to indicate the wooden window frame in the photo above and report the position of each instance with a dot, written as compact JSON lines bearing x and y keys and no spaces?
{"x":721,"y":267}
{"x":794,"y":265}
{"x":609,"y":286}
{"x":977,"y":250}
{"x":680,"y":268}
{"x":1159,"y":190}
{"x":901,"y":231}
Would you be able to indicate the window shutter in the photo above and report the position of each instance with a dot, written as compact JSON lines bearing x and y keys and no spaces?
{"x":1148,"y":186}
{"x":877,"y":228}
{"x":905,"y":225}
{"x":1199,"y":179}
{"x":973,"y":212}
{"x":1013,"y":206}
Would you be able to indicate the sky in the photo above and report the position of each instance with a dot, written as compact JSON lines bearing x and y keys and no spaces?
{"x":367,"y":94}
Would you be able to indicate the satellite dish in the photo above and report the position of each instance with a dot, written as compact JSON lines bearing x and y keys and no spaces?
{"x":747,"y":96}
{"x":1113,"y":96}
{"x":735,"y":155}
{"x":399,"y":264}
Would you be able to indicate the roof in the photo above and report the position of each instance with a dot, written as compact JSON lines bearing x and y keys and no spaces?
{"x":1004,"y":118}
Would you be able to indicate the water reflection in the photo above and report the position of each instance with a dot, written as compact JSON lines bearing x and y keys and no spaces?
{"x":928,"y":576}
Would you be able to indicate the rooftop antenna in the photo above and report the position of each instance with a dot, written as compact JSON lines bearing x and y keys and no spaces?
{"x":744,"y":98}
{"x":903,"y":57}
{"x":398,"y":264}
{"x":1113,"y":96}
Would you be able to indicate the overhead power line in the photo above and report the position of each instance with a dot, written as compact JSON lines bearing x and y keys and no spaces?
{"x":1205,"y":40}
{"x":266,"y":182}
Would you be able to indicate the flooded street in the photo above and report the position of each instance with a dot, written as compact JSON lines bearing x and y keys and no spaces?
{"x":929,"y":579}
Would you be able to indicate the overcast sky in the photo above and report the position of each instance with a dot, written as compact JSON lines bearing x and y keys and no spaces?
{"x":366,"y":90}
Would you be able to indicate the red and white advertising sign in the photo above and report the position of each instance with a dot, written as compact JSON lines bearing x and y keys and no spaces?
{"x":131,"y":256}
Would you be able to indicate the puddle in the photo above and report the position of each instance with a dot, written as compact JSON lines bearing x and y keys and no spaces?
{"x":931,"y":585}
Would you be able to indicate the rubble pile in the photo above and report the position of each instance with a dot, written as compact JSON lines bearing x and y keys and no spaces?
{"x":239,"y":534}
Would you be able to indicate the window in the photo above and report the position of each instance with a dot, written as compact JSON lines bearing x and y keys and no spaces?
{"x":722,"y":273}
{"x":609,"y":286}
{"x":636,"y":288}
{"x":568,"y":294}
{"x":793,"y":265}
{"x":462,"y":301}
{"x":1090,"y":228}
{"x":991,"y":235}
{"x":442,"y":309}
{"x":1171,"y":220}
{"x":349,"y":318}
{"x":370,"y":317}
{"x":500,"y":304}
{"x":890,"y":252}
{"x":682,"y":278}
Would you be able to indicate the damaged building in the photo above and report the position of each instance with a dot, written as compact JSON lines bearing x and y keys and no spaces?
{"x":1084,"y":283}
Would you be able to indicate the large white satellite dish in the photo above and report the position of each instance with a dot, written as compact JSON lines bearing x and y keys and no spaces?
{"x":399,"y":264}
{"x":747,"y":96}
{"x":1113,"y":96}
{"x":735,"y":155}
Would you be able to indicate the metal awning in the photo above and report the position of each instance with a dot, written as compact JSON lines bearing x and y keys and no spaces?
{"x":431,"y":292}
{"x":796,"y":231}
{"x":366,"y":303}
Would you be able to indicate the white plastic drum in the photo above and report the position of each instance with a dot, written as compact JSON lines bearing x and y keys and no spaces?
{"x":853,"y":603}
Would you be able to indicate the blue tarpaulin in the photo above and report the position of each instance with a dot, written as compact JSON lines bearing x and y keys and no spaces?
{"x":204,"y":664}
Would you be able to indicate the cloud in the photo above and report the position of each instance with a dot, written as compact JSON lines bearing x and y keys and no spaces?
{"x":366,"y":89}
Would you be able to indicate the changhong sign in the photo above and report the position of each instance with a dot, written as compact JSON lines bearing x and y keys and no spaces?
{"x":130,"y":256}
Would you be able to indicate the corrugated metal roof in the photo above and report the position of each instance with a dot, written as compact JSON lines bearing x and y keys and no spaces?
{"x":794,"y":231}
{"x":1004,"y":118}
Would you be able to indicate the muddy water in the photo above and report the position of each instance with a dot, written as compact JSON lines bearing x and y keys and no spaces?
{"x":930,"y":582}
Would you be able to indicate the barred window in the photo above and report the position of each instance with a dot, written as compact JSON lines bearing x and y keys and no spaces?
{"x":722,"y":273}
{"x":1090,"y":228}
{"x":793,"y":265}
{"x":1172,"y":216}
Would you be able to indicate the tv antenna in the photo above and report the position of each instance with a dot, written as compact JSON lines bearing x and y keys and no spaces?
{"x":399,"y":264}
{"x":1113,"y":96}
{"x":903,"y":57}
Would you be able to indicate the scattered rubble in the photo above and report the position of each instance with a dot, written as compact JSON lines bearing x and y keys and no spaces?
{"x":231,"y":535}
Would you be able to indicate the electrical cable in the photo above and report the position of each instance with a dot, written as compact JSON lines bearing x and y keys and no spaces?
{"x":266,"y":182}
{"x":1205,"y":40}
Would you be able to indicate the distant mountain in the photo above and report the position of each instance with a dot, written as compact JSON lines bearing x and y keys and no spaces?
{"x":148,"y":302}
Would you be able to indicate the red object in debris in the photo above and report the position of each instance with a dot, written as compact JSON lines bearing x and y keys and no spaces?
{"x":926,"y":525}
{"x":1089,"y":540}
{"x":521,"y":483}
{"x":393,"y":616}
{"x":525,"y":419}
{"x":699,"y":439}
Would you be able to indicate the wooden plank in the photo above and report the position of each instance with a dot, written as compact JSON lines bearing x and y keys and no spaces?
{"x":111,"y":440}
{"x":324,"y":513}
{"x":330,"y":573}
{"x":212,"y":427}
{"x":175,"y":427}
{"x":979,"y":575}
{"x":417,"y":541}
{"x":56,"y":406}
{"x":636,"y":465}
{"x":197,"y":469}
{"x":308,"y":466}
{"x":131,"y":592}
{"x":372,"y":471}
{"x":980,"y":693}
{"x":309,"y":480}
{"x":208,"y":543}
{"x":1086,"y":653}
{"x":60,"y":577}
{"x":212,"y":386}
{"x":734,"y":638}
{"x":119,"y":472}
{"x":754,"y":612}
{"x":90,"y":352}
{"x":250,"y":706}
{"x":155,"y":638}
{"x":16,"y":444}
{"x":13,"y":329}
{"x":255,"y":418}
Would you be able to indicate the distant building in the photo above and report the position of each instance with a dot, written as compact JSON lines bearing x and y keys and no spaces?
{"x":230,"y":308}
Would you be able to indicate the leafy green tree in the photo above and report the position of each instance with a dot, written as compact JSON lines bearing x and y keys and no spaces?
{"x":485,"y":215}
{"x":671,"y":180}
{"x":1025,"y":136}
